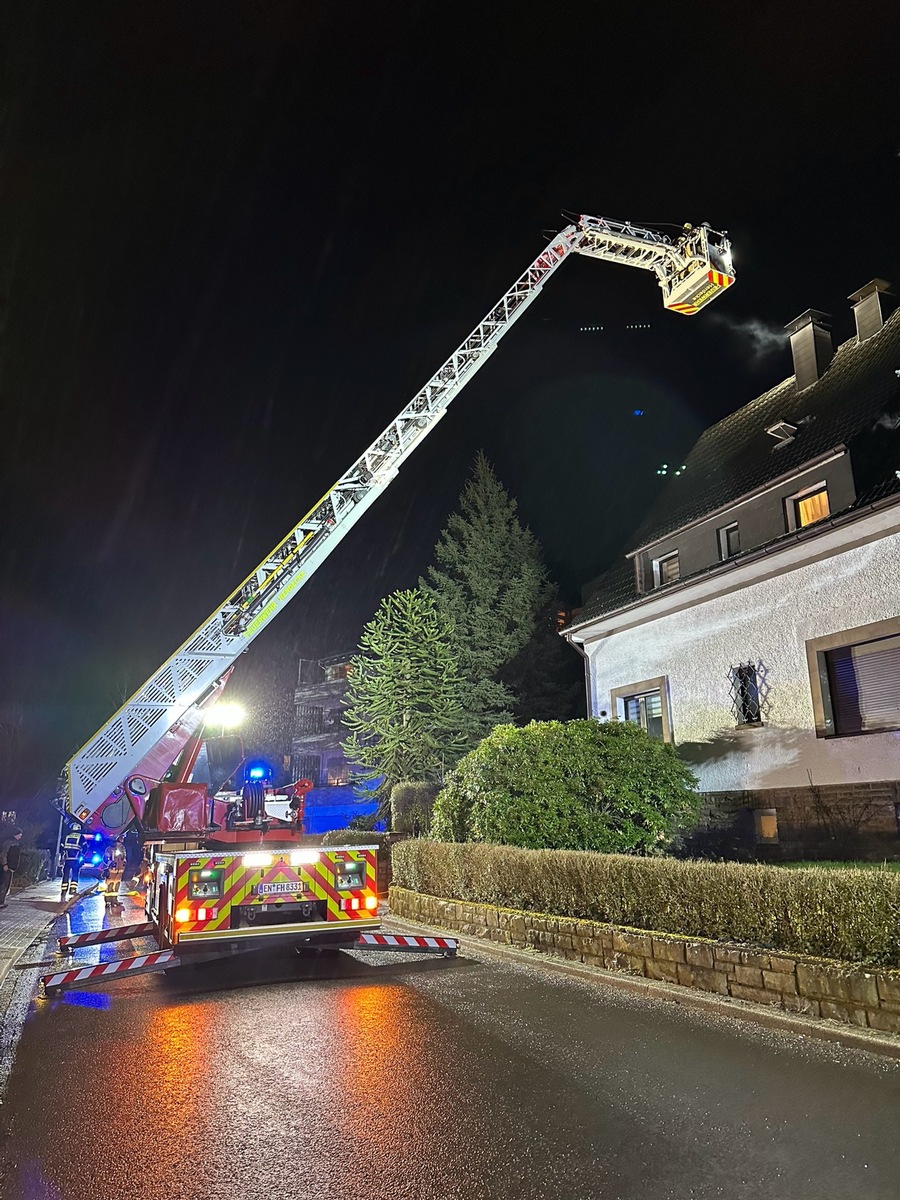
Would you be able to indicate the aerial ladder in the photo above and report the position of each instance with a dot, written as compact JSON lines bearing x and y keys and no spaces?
{"x":124,"y":773}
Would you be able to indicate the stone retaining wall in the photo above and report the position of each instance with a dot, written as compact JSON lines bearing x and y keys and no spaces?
{"x":797,"y":983}
{"x":847,"y":820}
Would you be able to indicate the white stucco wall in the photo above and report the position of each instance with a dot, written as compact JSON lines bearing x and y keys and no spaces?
{"x":763,"y":613}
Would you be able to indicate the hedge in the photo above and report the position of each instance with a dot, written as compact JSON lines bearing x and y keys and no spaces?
{"x":852,"y":915}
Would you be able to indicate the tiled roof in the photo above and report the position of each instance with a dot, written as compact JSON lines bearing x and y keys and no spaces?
{"x":736,"y":456}
{"x":617,"y":589}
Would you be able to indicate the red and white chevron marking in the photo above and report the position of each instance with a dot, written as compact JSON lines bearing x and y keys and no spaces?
{"x":116,"y":933}
{"x":404,"y":941}
{"x":102,"y":971}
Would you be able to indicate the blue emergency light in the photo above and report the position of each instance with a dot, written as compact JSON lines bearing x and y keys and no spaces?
{"x":257,"y":773}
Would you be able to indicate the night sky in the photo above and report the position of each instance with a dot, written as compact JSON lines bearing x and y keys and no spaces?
{"x":238,"y":237}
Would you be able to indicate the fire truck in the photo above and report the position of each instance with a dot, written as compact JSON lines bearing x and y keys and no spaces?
{"x":229,"y":870}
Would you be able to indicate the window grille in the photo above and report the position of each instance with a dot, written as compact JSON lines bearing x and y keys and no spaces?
{"x":746,"y":700}
{"x":308,"y":767}
{"x":309,"y":718}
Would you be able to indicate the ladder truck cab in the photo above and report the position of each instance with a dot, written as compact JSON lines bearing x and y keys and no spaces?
{"x":229,"y":868}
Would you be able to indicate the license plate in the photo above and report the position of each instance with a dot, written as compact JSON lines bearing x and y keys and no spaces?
{"x":278,"y":889}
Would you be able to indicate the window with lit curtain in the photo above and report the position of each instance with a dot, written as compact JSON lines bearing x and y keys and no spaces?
{"x":812,"y":508}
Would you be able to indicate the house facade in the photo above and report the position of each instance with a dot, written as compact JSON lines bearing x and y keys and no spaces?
{"x":755,"y":622}
{"x":316,"y":752}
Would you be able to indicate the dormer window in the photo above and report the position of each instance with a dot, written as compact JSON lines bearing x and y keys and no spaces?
{"x":666,"y":569}
{"x":782,"y":431}
{"x":806,"y":507}
{"x":729,"y":541}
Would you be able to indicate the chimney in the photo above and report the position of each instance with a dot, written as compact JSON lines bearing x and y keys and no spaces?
{"x":868,"y":308}
{"x":810,"y":346}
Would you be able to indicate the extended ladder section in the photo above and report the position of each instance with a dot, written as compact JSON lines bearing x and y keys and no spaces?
{"x":169,"y":707}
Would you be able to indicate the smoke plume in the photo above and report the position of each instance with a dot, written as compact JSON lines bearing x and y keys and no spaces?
{"x":758,"y":340}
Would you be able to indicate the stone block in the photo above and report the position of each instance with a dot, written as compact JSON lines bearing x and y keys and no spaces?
{"x":667,"y":951}
{"x":709,"y":980}
{"x":847,"y":1014}
{"x":889,"y":989}
{"x":822,"y":983}
{"x":755,"y":995}
{"x":780,"y":981}
{"x":727,"y":954}
{"x":802,"y":1005}
{"x":754,"y":958}
{"x":636,"y":963}
{"x":698,"y":956}
{"x":748,"y":977}
{"x":593,"y":946}
{"x":593,"y":960}
{"x":632,"y":943}
{"x":659,"y":968}
{"x":864,"y":990}
{"x":886,"y":1021}
{"x":782,"y":964}
{"x":491,"y":917}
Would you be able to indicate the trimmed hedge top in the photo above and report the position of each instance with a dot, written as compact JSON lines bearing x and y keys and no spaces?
{"x":852,"y":915}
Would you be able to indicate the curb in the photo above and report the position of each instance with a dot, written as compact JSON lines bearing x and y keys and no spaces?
{"x":738,"y":1010}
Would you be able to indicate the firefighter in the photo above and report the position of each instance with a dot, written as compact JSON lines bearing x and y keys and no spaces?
{"x":115,"y":869}
{"x":144,"y":874}
{"x":71,"y":856}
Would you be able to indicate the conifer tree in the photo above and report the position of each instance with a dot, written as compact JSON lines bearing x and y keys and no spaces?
{"x":405,"y":708}
{"x":490,"y":582}
{"x":547,"y":675}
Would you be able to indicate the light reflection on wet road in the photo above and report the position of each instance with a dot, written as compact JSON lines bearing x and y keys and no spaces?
{"x":279,"y":1077}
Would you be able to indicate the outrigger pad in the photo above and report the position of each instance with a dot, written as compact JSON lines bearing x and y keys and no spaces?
{"x":141,"y":964}
{"x":408,"y":943}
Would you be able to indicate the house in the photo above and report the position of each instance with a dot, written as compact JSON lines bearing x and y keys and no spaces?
{"x":316,"y":752}
{"x":755,"y":620}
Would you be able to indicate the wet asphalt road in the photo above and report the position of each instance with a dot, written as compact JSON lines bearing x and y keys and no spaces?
{"x":376,"y":1077}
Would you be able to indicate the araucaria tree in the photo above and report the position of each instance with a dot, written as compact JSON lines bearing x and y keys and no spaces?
{"x":489,"y":582}
{"x":405,"y":709}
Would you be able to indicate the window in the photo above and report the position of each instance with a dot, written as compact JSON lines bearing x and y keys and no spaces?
{"x":337,"y":671}
{"x":765,"y":825}
{"x":646,"y":704}
{"x":337,"y":772}
{"x":666,"y":570}
{"x":309,"y":718}
{"x":308,"y":767}
{"x":807,"y":507}
{"x":729,"y":541}
{"x":646,"y":711}
{"x":855,"y":680}
{"x":745,"y":699}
